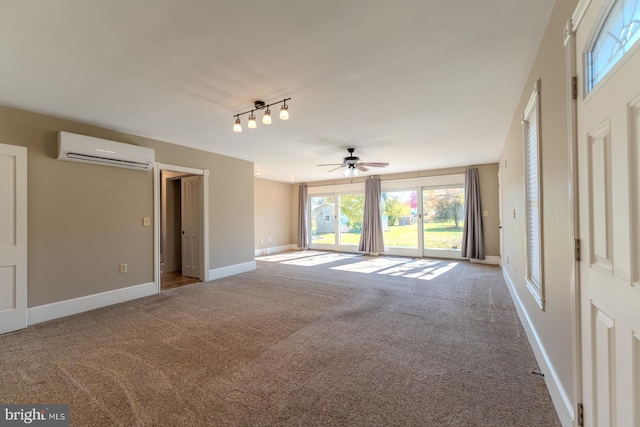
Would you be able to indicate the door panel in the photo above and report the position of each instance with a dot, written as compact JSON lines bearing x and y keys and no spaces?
{"x":609,"y":230}
{"x":351,"y":217}
{"x":400,"y":222}
{"x":323,"y":221}
{"x":13,"y":238}
{"x":443,"y":221}
{"x":191,"y":227}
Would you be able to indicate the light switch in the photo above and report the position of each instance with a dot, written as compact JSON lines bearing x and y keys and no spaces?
{"x":146,"y":221}
{"x":485,"y":213}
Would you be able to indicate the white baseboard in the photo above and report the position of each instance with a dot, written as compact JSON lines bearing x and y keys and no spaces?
{"x":489,"y":259}
{"x":562,"y":403}
{"x":230,"y":270}
{"x":275,"y":249}
{"x":55,"y":310}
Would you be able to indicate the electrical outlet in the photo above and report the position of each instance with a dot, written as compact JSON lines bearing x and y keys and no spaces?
{"x":485,"y":213}
{"x":261,"y":241}
{"x":269,"y":239}
{"x":123,"y":268}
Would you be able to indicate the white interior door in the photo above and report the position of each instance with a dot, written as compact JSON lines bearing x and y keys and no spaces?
{"x":609,"y":201}
{"x":13,"y":238}
{"x":191,"y":226}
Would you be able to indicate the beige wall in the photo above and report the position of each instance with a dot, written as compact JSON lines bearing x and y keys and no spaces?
{"x":488,"y":175}
{"x":554,"y":324}
{"x":84,"y":220}
{"x":272,"y":213}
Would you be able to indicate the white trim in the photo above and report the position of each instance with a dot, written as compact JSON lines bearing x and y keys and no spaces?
{"x":182,"y":169}
{"x":488,"y":259}
{"x":437,"y":181}
{"x":578,"y":13}
{"x":391,"y":184}
{"x":274,"y":249}
{"x":535,"y":292}
{"x":204,"y":269}
{"x":338,"y":188}
{"x":230,"y":270}
{"x":574,"y":231}
{"x":559,"y":397}
{"x":205,"y":224}
{"x":59,"y":309}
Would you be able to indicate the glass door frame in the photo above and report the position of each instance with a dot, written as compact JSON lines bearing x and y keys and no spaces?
{"x":410,"y":184}
{"x":419,"y":185}
{"x":398,"y":250}
{"x":433,"y":252}
{"x":334,"y":191}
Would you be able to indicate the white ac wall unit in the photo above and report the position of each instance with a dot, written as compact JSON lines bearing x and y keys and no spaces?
{"x":87,"y":149}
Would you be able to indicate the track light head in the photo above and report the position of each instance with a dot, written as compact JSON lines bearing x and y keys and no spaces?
{"x":284,"y":112}
{"x":266,"y":119}
{"x":252,"y":121}
{"x":237,"y":127}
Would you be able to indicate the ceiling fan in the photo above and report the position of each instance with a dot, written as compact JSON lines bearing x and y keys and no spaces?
{"x":353,"y":165}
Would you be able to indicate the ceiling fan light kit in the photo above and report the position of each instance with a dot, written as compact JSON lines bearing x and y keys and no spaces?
{"x":266,"y":119}
{"x":353,"y":166}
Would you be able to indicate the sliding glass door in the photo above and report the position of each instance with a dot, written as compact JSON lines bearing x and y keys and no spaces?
{"x":336,"y":221}
{"x":400,"y":222}
{"x":323,"y":221}
{"x":420,"y":217}
{"x":442,"y":221}
{"x":351,"y":215}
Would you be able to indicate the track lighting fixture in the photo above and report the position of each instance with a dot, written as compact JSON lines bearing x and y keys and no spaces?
{"x":266,"y":119}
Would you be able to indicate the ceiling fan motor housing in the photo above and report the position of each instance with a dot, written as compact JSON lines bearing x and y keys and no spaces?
{"x":351,"y":159}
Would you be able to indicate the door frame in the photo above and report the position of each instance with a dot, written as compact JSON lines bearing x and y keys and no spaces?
{"x":204,"y":249}
{"x":574,"y":213}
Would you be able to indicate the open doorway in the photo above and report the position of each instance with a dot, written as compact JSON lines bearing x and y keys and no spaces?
{"x":181,"y":229}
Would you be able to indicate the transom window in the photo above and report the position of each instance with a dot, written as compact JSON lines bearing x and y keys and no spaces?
{"x":620,"y":31}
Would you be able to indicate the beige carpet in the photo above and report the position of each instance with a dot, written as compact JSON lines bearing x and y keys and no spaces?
{"x":308,"y":339}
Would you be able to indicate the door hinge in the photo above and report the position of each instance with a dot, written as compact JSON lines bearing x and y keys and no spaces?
{"x":577,"y":249}
{"x":574,"y":87}
{"x":580,"y":415}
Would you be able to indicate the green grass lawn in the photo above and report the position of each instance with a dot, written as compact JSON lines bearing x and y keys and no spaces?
{"x":437,"y":236}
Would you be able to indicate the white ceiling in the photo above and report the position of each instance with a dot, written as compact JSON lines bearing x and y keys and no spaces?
{"x":421,"y":84}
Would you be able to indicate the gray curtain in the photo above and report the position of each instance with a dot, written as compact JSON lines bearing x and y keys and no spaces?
{"x":472,"y":236}
{"x":303,"y":235}
{"x":371,"y":239}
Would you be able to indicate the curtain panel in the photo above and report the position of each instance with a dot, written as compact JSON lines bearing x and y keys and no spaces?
{"x":303,"y":226}
{"x":371,"y":239}
{"x":472,"y":236}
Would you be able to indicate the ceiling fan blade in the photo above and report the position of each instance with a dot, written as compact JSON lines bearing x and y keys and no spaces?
{"x":375,"y":164}
{"x":362,"y":168}
{"x":332,"y":164}
{"x":339,"y":167}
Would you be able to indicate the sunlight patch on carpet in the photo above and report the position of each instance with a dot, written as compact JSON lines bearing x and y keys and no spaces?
{"x":320,"y":259}
{"x":287,"y":256}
